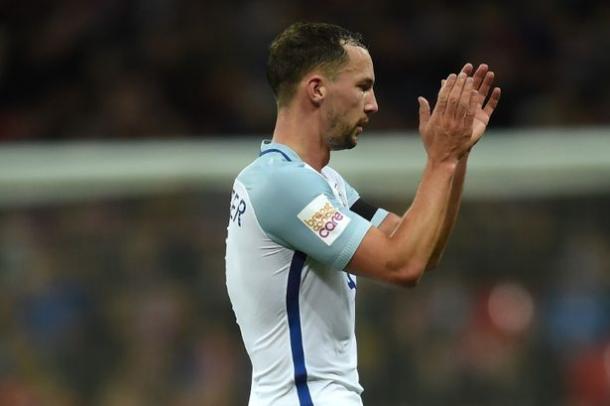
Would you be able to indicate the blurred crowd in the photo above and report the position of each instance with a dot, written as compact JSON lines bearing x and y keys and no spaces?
{"x":123,"y":303}
{"x":141,"y":68}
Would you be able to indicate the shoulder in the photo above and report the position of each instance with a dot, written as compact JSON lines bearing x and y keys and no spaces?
{"x":267,"y":177}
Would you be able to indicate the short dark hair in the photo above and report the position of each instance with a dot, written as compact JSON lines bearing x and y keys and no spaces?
{"x":303,"y":47}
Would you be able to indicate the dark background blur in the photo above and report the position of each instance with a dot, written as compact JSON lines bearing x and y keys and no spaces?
{"x":122,"y":301}
{"x":117,"y":69}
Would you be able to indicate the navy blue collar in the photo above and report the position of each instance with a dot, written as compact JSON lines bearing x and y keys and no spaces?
{"x":267,"y":146}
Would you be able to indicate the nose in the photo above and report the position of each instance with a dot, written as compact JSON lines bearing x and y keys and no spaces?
{"x":370,"y":105}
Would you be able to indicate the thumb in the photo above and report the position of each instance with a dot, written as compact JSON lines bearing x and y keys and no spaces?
{"x":424,"y":111}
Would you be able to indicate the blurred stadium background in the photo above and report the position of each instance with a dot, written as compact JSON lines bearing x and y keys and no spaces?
{"x":122,"y":124}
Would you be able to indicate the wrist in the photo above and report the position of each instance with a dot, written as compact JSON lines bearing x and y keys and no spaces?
{"x":449,"y":164}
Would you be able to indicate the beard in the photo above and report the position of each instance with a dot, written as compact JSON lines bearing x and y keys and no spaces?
{"x":345,"y":140}
{"x":342,"y":135}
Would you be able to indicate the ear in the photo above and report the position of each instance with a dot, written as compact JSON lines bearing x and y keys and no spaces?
{"x":316,"y":89}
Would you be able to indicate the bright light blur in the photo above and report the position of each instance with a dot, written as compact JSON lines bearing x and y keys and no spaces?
{"x":511,"y":308}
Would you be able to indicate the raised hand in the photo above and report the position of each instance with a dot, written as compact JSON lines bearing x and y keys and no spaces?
{"x":447,"y":130}
{"x":482,"y":81}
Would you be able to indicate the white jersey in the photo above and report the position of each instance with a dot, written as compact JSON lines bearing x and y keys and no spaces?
{"x":291,"y":234}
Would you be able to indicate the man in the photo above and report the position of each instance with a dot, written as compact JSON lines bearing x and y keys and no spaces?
{"x":297,"y":227}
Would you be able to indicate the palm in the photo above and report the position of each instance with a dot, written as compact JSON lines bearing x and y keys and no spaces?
{"x":479,"y":124}
{"x":483,"y":79}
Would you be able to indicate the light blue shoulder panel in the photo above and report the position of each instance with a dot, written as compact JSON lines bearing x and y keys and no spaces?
{"x":297,"y":209}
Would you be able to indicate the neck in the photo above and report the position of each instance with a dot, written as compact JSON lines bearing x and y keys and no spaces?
{"x":302,"y":132}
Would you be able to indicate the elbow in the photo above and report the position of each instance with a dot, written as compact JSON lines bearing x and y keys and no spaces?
{"x":409,"y":276}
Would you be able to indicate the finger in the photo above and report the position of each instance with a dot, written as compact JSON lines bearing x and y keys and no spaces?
{"x":463,"y":106}
{"x":486,"y":85}
{"x":424,"y":111}
{"x":492,"y":103}
{"x":454,"y":97}
{"x":479,"y":99}
{"x":443,"y":94}
{"x":467,"y":68}
{"x":479,"y":75}
{"x":472,"y":108}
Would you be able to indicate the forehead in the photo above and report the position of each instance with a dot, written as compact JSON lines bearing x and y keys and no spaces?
{"x":359,"y":62}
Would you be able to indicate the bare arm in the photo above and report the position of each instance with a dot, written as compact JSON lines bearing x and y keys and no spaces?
{"x":392,"y":221}
{"x":403,"y":256}
{"x":455,"y":200}
{"x":482,"y":81}
{"x":389,"y":224}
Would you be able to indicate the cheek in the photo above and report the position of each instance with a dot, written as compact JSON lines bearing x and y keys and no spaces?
{"x":359,"y":97}
{"x":349,"y":104}
{"x":354,"y":102}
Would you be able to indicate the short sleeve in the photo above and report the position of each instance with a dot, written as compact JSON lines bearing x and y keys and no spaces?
{"x":296,"y":208}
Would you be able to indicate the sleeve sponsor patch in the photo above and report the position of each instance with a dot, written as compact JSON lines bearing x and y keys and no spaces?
{"x":323,"y":219}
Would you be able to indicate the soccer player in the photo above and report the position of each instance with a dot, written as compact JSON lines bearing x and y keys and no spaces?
{"x":298,"y":233}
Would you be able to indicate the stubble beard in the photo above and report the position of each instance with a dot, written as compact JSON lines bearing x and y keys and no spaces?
{"x":341,"y":135}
